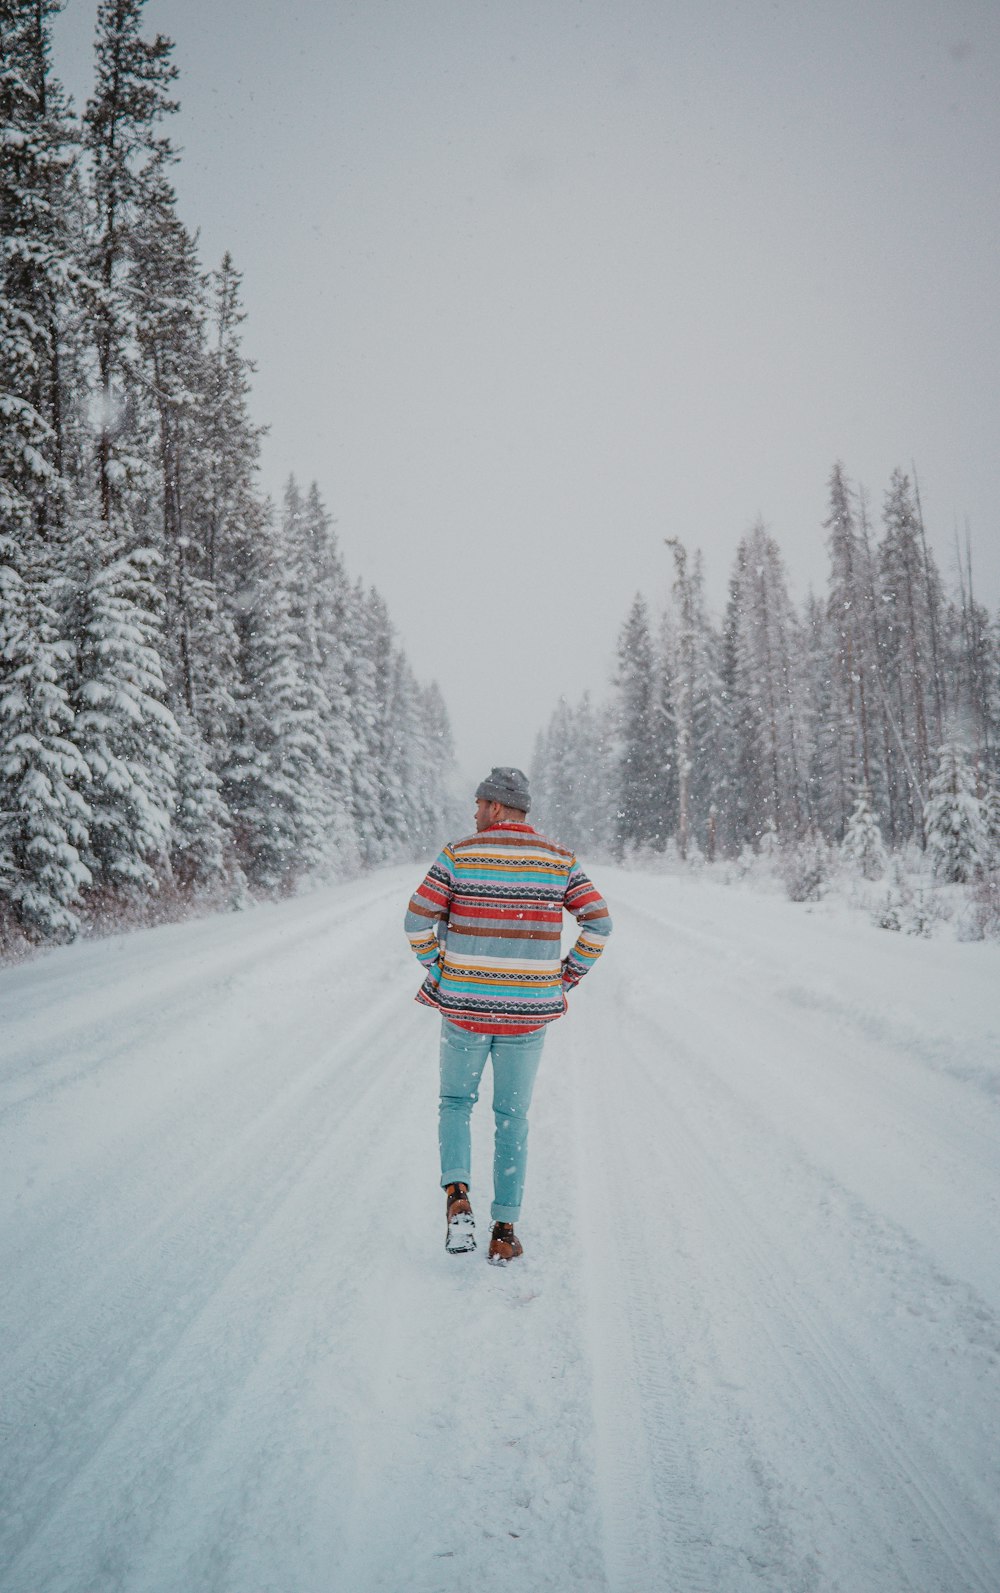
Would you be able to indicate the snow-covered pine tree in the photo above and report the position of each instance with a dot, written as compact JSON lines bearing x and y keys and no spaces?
{"x":766,"y":694}
{"x":956,"y":833}
{"x":275,"y":780}
{"x":971,"y":645}
{"x":330,"y":596}
{"x":592,"y":818}
{"x":681,"y":674}
{"x":231,"y":511}
{"x":847,"y":719}
{"x":226,"y":515}
{"x":305,"y":556}
{"x":386,"y":727}
{"x":127,"y":155}
{"x":887,"y":766}
{"x":697,"y":715}
{"x":575,"y":775}
{"x":827,"y":743}
{"x":908,"y":583}
{"x":40,"y":278}
{"x":448,"y":809}
{"x":361,"y":696}
{"x":169,"y":307}
{"x":200,"y":831}
{"x":413,"y":771}
{"x":642,"y":817}
{"x":538,"y":772}
{"x":862,"y":846}
{"x":43,"y":817}
{"x":555,"y":771}
{"x":122,"y":725}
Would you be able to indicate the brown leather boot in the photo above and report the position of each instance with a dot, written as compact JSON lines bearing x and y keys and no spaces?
{"x":461,"y":1234}
{"x":504,"y":1246}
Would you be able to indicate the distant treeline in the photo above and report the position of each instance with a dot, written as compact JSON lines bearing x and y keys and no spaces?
{"x":193,"y":694}
{"x":878,"y":703}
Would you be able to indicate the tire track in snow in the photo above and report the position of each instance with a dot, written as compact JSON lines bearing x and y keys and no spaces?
{"x":34,"y":1066}
{"x":842,"y":1393}
{"x":945,"y":1129}
{"x":261,"y":1376}
{"x":662,"y":1525}
{"x":756,"y":1283}
{"x":124,"y":1328}
{"x":276,"y":1378}
{"x":156,"y":1125}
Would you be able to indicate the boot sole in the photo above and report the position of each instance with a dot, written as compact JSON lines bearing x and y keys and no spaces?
{"x":461,"y":1236}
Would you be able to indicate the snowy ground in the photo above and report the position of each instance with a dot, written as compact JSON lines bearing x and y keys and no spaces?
{"x":754,"y":1342}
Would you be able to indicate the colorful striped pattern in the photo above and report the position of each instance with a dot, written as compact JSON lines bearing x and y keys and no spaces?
{"x":486,"y":924}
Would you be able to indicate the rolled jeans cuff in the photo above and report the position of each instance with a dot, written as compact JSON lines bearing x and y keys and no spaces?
{"x":455,"y":1178}
{"x":504,"y":1213}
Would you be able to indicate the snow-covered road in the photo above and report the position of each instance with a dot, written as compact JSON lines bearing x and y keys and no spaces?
{"x":754,"y":1342}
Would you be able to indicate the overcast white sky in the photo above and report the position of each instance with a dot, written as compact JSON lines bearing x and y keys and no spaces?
{"x":532,"y":284}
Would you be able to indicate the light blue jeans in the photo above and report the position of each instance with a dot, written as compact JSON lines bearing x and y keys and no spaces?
{"x":515,"y":1063}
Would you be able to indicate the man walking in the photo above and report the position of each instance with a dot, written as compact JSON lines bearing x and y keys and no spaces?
{"x":486,"y":924}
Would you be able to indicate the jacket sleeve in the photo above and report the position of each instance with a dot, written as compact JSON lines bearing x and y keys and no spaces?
{"x":429,"y":904}
{"x":590,"y":910}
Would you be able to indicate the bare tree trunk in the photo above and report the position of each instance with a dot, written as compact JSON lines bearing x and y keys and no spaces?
{"x":932,"y":602}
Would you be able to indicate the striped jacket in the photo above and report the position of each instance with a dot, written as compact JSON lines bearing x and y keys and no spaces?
{"x":486,"y":924}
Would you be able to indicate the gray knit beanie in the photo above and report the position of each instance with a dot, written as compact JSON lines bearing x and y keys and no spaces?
{"x":506,"y":785}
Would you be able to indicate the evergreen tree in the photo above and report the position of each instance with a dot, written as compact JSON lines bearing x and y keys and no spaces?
{"x":574,"y":777}
{"x":886,"y":769}
{"x":122,"y":725}
{"x":973,"y":656}
{"x":431,"y":797}
{"x":168,"y":305}
{"x":554,"y":772}
{"x":127,"y":155}
{"x":39,"y":277}
{"x":231,"y":512}
{"x":766,"y":693}
{"x":592,"y":817}
{"x":697,"y":717}
{"x":956,"y":832}
{"x":274,"y":782}
{"x":848,"y":714}
{"x":641,"y":819}
{"x":862,"y":845}
{"x":200,"y":829}
{"x":909,"y":597}
{"x":43,"y":817}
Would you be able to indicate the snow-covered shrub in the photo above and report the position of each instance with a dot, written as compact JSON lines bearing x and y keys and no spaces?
{"x":862,"y":846}
{"x":923,"y":914}
{"x":239,"y":892}
{"x":888,"y":913}
{"x":907,"y":909}
{"x":768,"y":845}
{"x":991,"y":820}
{"x":981,"y":919}
{"x":956,"y":832}
{"x":696,"y":859}
{"x":805,"y":868}
{"x":742,"y":866}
